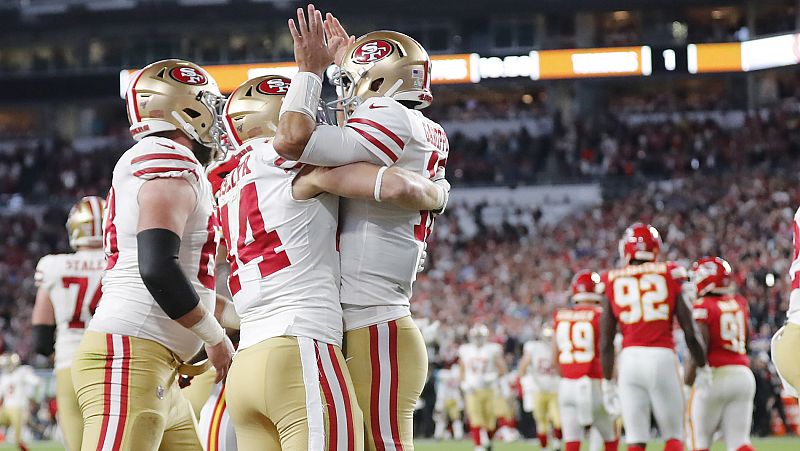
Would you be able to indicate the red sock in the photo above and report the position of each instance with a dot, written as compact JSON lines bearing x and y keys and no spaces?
{"x":542,"y":440}
{"x":557,"y":433}
{"x":476,"y":435}
{"x":674,"y":444}
{"x":747,"y":447}
{"x":635,"y":448}
{"x":572,"y":446}
{"x":612,"y":445}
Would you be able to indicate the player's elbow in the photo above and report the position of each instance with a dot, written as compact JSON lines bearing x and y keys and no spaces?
{"x":289,"y":146}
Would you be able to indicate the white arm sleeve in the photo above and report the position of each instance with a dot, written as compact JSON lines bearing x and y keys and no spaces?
{"x":330,"y":145}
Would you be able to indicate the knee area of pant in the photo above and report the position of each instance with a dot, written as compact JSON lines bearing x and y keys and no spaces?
{"x":147,"y":427}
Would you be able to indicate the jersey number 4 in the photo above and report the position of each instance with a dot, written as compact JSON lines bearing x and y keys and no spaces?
{"x":257,"y":244}
{"x":644,"y":298}
{"x":77,"y":322}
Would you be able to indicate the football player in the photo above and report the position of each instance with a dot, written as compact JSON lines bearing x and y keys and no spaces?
{"x":577,"y":350}
{"x":449,"y":404}
{"x":786,"y":340}
{"x":17,"y":385}
{"x":481,"y":364}
{"x":727,"y":404}
{"x":385,"y":79}
{"x":67,"y":296}
{"x":157,"y":306}
{"x":289,"y":382}
{"x":643,"y":298}
{"x":537,"y":360}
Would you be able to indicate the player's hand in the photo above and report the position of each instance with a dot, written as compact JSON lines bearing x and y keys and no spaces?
{"x":423,"y":257}
{"x":310,"y":50}
{"x":338,"y":39}
{"x":610,"y":397}
{"x":220,"y":356}
{"x":703,"y":378}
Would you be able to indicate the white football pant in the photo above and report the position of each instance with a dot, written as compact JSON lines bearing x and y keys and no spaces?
{"x":581,"y":404}
{"x":650,"y":382}
{"x":726,"y":406}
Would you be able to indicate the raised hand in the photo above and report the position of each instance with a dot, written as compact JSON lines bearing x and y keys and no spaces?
{"x":338,"y":39}
{"x":310,"y":50}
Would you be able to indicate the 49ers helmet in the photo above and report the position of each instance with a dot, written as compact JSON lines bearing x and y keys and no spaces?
{"x":712,"y":275}
{"x":251,"y":111}
{"x":175,"y":95}
{"x":640,"y":242}
{"x":586,"y":287}
{"x":384,"y":63}
{"x":85,"y":222}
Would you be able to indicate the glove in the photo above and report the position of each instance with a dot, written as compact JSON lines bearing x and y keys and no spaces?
{"x":423,"y":257}
{"x":703,"y":378}
{"x":445,"y":185}
{"x":610,"y":397}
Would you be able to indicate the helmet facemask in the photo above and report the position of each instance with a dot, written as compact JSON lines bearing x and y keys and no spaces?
{"x":218,"y":137}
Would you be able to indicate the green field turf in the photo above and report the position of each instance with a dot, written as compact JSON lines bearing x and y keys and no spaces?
{"x":769,"y":444}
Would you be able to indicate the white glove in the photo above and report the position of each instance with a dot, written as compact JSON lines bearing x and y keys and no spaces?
{"x":610,"y":397}
{"x":423,"y":257}
{"x":703,"y":378}
{"x":445,"y":185}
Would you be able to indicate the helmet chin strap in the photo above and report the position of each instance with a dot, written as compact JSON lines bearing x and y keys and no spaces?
{"x":187,"y":127}
{"x":390,"y":92}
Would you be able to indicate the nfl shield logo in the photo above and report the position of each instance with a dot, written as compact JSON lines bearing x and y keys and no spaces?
{"x":418,"y":78}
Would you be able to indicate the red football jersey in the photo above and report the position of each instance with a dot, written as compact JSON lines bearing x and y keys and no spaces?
{"x":642,"y":299}
{"x":727,"y":318}
{"x":578,"y":340}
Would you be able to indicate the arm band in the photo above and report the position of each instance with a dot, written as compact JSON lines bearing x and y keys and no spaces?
{"x":208,"y":329}
{"x":44,"y":339}
{"x":378,"y":183}
{"x":303,"y":95}
{"x":162,"y":274}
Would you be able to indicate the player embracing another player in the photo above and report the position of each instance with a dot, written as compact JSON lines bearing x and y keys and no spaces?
{"x":384,"y":78}
{"x":722,"y":317}
{"x":157,"y":306}
{"x":576,"y":346}
{"x":642,"y":299}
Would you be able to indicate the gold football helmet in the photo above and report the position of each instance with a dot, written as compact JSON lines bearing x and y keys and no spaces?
{"x":85,"y":222}
{"x":252,"y":109}
{"x":384,"y":63}
{"x":175,"y":95}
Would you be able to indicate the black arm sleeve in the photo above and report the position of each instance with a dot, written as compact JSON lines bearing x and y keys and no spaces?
{"x":161,"y":273}
{"x":44,"y":339}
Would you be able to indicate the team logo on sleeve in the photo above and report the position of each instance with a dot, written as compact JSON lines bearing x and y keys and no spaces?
{"x":274,"y":86}
{"x":372,"y":51}
{"x":188,"y":76}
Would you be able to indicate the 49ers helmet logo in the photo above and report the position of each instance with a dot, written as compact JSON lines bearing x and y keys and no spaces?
{"x":274,"y":86}
{"x":188,"y":75}
{"x":372,"y":51}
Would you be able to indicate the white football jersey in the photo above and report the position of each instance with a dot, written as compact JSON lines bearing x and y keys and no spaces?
{"x":127,"y":308}
{"x":380,"y":244}
{"x":282,"y":251}
{"x":17,"y":387}
{"x":72,"y":282}
{"x":448,"y":386}
{"x":542,"y":367}
{"x":793,"y":314}
{"x":480,"y":369}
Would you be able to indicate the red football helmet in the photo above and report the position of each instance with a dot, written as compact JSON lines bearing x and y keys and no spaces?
{"x":712,"y":274}
{"x":586,"y":286}
{"x":641,"y":242}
